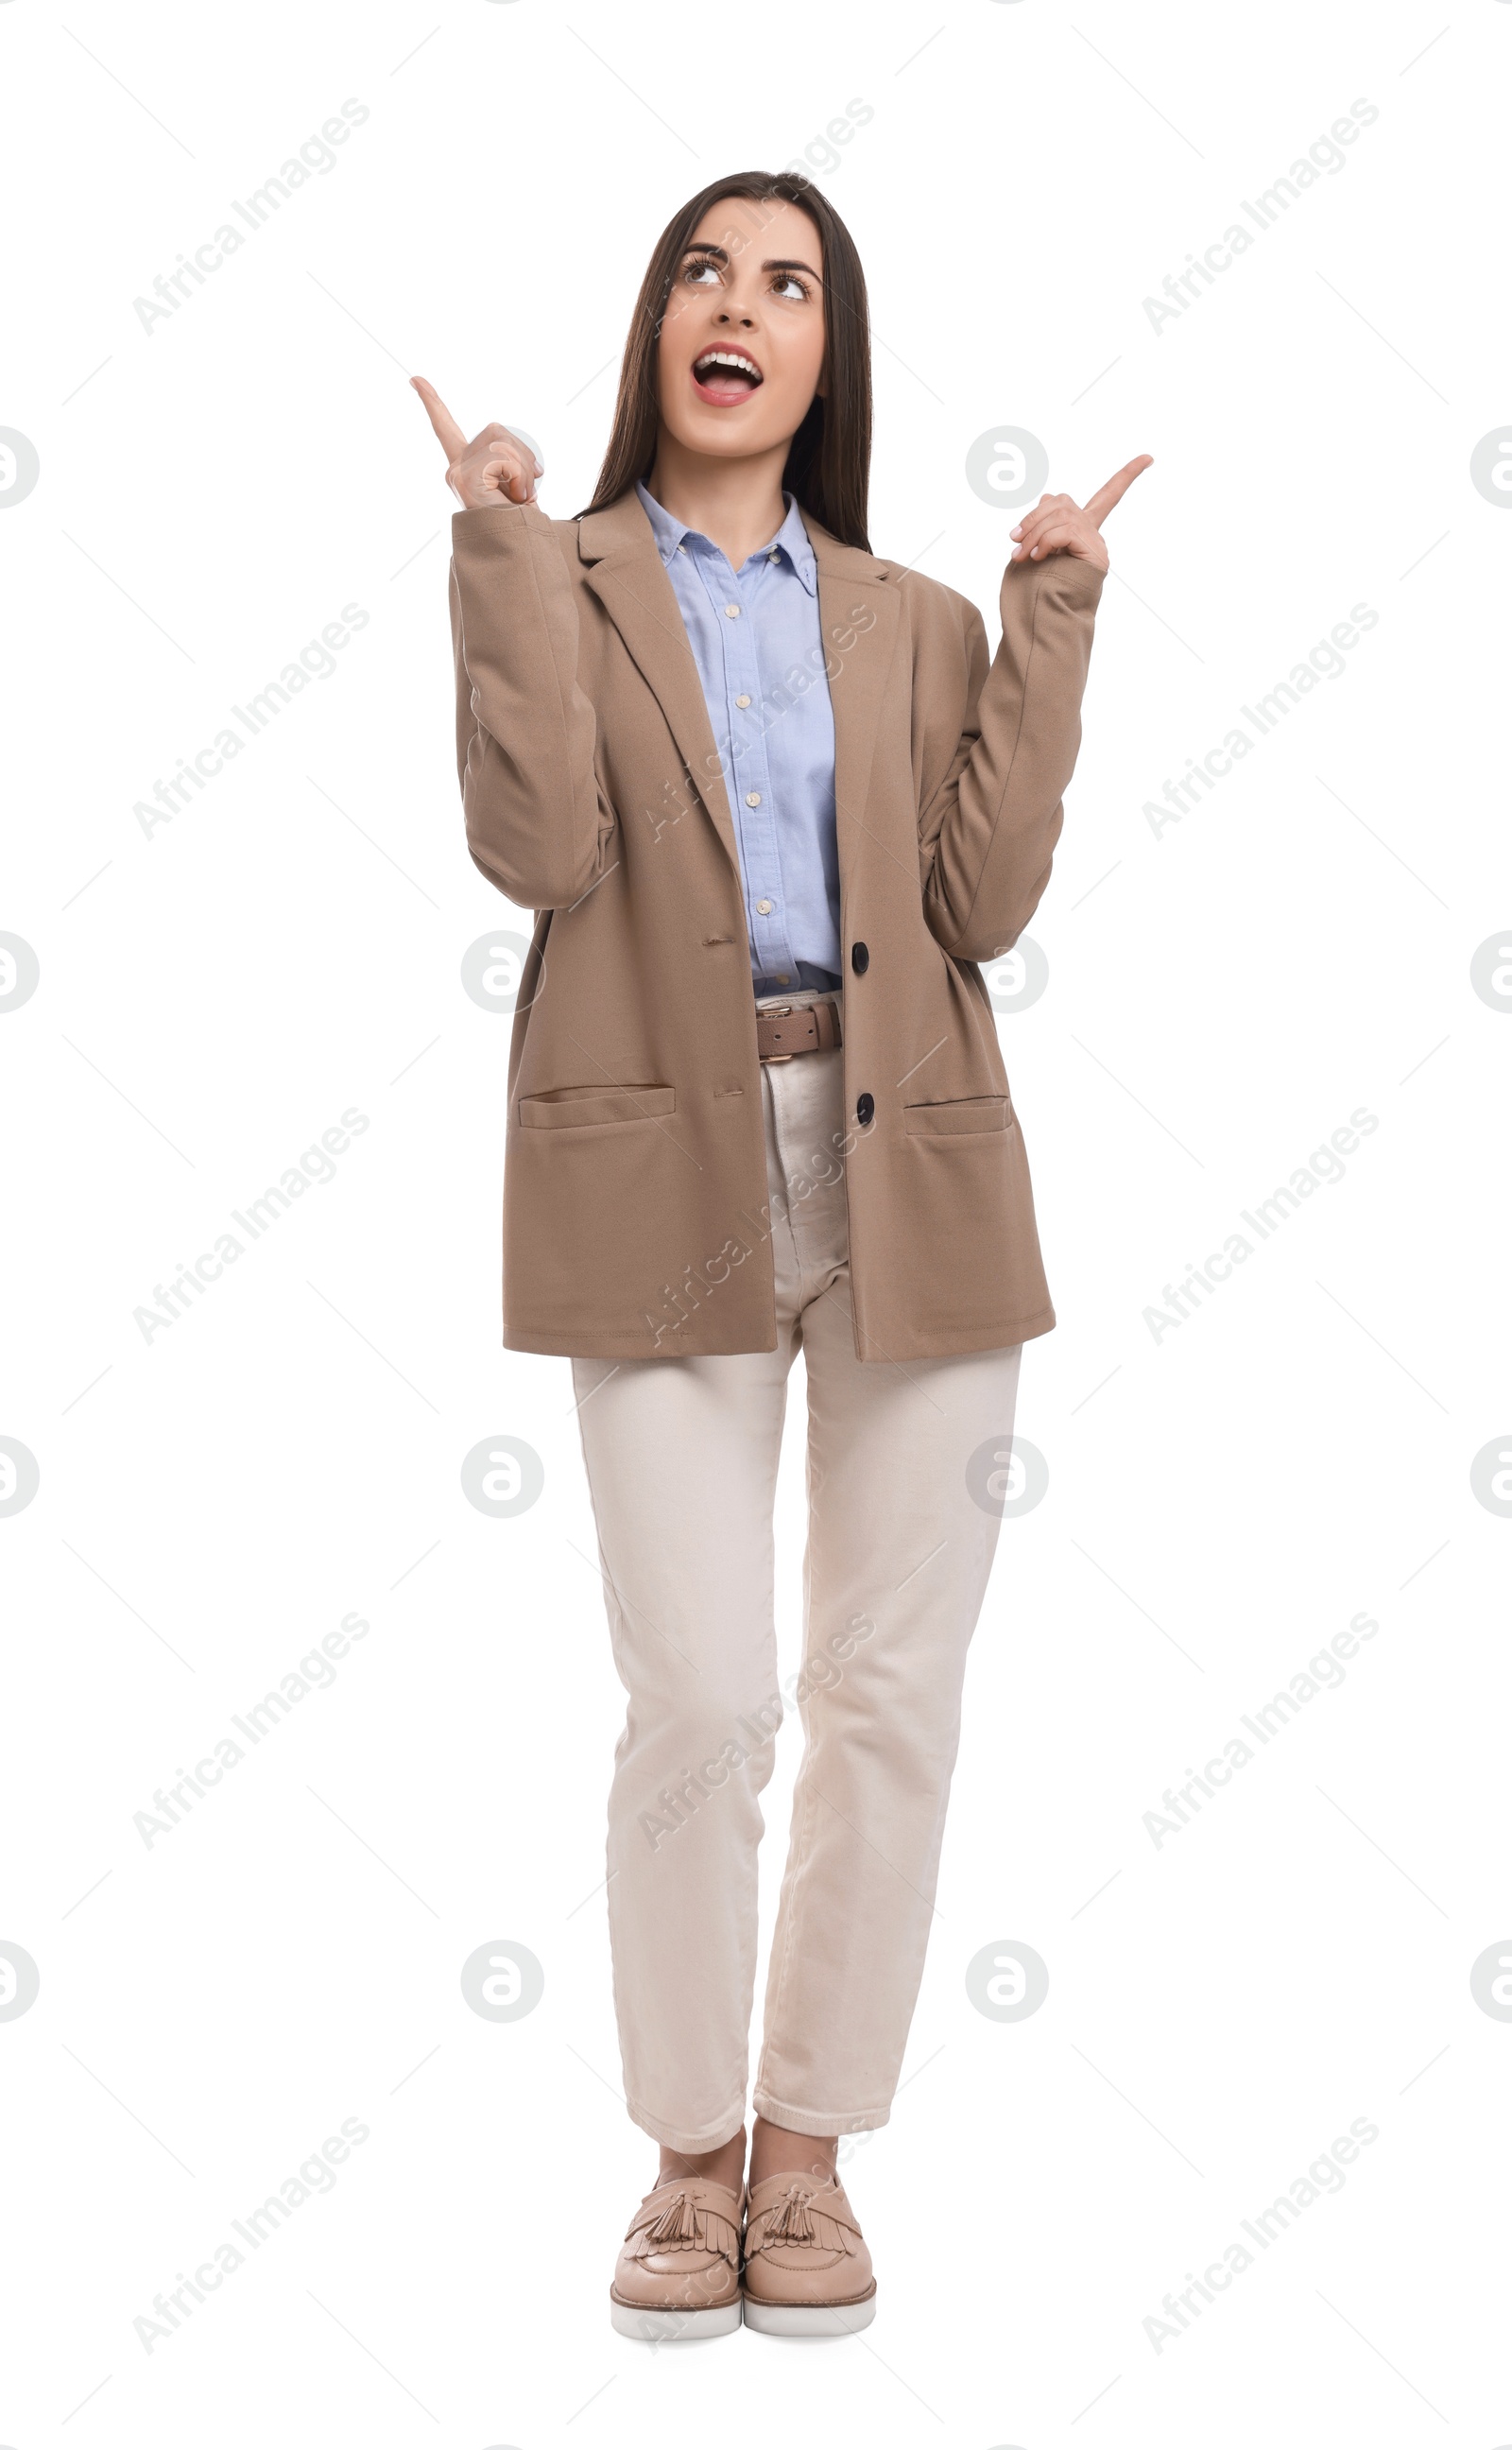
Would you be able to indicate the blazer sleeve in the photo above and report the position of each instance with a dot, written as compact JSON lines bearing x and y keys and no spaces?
{"x":537,"y":823}
{"x":990,"y":825}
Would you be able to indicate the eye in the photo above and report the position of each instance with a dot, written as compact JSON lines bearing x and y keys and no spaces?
{"x":787,"y":284}
{"x":702,"y":272}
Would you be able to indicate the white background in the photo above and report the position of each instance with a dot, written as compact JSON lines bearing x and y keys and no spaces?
{"x":1222,"y":996}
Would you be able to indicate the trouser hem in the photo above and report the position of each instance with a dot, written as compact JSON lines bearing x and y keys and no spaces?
{"x":687,"y":2139}
{"x":806,"y":2120}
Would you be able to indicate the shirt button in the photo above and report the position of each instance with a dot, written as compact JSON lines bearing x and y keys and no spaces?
{"x":865,"y":1108}
{"x":763,"y":907}
{"x":754,"y":798}
{"x":733,"y":611}
{"x":743,"y":701}
{"x":859,"y":958}
{"x":774,"y":555}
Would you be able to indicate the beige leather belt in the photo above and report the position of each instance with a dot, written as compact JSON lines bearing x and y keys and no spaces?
{"x":796,"y":1030}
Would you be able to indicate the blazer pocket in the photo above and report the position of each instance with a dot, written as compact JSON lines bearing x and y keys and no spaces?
{"x":575,"y":1109}
{"x":955,"y":1116}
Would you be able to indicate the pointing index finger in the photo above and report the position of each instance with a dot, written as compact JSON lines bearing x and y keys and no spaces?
{"x":448,"y":432}
{"x":1115,"y":488}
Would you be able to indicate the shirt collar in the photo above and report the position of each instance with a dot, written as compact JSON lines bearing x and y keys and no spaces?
{"x":790,"y":542}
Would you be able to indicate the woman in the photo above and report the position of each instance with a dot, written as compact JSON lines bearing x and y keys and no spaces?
{"x":771,"y":810}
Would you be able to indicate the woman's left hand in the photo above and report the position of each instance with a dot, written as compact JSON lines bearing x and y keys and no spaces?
{"x":1056,"y":524}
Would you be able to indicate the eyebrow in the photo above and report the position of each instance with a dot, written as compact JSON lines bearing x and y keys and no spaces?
{"x":773,"y":263}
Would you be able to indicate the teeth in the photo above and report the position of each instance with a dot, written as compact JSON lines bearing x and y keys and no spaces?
{"x":731,"y":357}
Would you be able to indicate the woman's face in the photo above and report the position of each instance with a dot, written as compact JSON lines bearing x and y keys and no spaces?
{"x":742,"y":348}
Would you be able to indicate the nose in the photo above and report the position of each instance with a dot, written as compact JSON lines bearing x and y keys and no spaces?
{"x":736,"y":314}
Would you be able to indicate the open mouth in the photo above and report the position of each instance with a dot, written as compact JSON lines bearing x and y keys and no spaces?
{"x":726,"y":377}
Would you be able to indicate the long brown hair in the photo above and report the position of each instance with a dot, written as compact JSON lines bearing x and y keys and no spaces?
{"x":829,"y":458}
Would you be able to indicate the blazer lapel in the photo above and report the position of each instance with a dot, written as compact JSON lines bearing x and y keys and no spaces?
{"x":858,"y":613}
{"x":626,"y":573}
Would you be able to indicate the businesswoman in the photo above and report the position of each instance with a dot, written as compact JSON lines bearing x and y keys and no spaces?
{"x":772,"y":805}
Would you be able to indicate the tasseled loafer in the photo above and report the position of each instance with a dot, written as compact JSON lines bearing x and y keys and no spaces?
{"x":678,"y":2273}
{"x":807,"y":2271}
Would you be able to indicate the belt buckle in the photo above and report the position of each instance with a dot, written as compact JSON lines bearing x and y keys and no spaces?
{"x":778,"y":1012}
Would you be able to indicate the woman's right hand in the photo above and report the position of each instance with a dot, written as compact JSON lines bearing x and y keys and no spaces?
{"x":495,"y":467}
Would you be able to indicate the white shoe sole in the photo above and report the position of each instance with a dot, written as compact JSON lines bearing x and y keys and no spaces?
{"x":809,"y":2322}
{"x":664,"y":2327}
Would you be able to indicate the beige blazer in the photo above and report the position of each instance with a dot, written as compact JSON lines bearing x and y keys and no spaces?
{"x":636,"y":1203}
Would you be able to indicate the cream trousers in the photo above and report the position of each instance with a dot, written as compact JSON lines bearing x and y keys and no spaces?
{"x":682,"y":1465}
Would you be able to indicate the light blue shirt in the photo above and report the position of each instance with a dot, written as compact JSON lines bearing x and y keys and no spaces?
{"x":756,"y":640}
